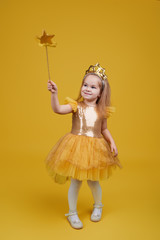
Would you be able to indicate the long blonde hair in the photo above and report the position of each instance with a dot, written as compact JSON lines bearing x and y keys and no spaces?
{"x":105,"y":98}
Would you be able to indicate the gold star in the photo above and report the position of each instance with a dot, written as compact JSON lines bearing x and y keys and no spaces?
{"x":45,"y":40}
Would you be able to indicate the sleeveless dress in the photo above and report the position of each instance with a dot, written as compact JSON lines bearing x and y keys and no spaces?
{"x":83,"y":153}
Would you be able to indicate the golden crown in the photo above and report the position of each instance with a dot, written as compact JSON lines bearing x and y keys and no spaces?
{"x":98,"y":70}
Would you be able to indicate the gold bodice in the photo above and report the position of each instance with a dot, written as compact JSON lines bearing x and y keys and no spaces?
{"x":86,"y":121}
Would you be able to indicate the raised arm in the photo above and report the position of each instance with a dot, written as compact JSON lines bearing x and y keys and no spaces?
{"x":57,"y":108}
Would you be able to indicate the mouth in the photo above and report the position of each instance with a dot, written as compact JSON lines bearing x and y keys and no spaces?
{"x":87,"y":93}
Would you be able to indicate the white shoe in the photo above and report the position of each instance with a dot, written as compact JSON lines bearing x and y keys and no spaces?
{"x":97,"y":212}
{"x":74,"y":220}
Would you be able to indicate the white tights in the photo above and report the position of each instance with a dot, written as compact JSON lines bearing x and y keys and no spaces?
{"x":74,"y":190}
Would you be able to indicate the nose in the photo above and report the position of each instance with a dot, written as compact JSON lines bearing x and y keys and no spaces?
{"x":87,"y":89}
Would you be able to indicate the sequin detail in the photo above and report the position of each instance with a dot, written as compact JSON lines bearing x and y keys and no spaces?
{"x":86,"y":121}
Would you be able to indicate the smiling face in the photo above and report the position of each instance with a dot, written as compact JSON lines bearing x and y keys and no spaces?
{"x":91,"y":88}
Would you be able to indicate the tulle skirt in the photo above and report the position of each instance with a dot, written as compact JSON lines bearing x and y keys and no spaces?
{"x":80,"y":157}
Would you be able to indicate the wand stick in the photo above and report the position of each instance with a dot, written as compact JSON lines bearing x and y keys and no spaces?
{"x":45,"y":40}
{"x":47,"y":63}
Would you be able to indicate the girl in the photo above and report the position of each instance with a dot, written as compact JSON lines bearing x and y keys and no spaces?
{"x":88,"y":152}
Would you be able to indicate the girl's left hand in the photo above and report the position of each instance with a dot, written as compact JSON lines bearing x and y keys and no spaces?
{"x":114,"y":148}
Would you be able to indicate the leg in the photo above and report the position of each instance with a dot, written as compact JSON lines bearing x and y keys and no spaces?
{"x":97,"y":195}
{"x":96,"y":191}
{"x":73,"y":194}
{"x":72,"y":200}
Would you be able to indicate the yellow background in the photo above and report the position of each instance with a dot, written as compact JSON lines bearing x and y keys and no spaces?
{"x":123,"y":36}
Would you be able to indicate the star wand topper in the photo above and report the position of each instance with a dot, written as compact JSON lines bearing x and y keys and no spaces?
{"x":45,"y":41}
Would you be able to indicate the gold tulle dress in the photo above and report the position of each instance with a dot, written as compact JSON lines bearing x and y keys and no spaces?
{"x":83,"y":153}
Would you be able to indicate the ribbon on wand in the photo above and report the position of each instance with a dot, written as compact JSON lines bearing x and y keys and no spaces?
{"x":45,"y":41}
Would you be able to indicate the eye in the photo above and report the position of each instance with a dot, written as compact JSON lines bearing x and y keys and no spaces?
{"x":85,"y":84}
{"x":93,"y":87}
